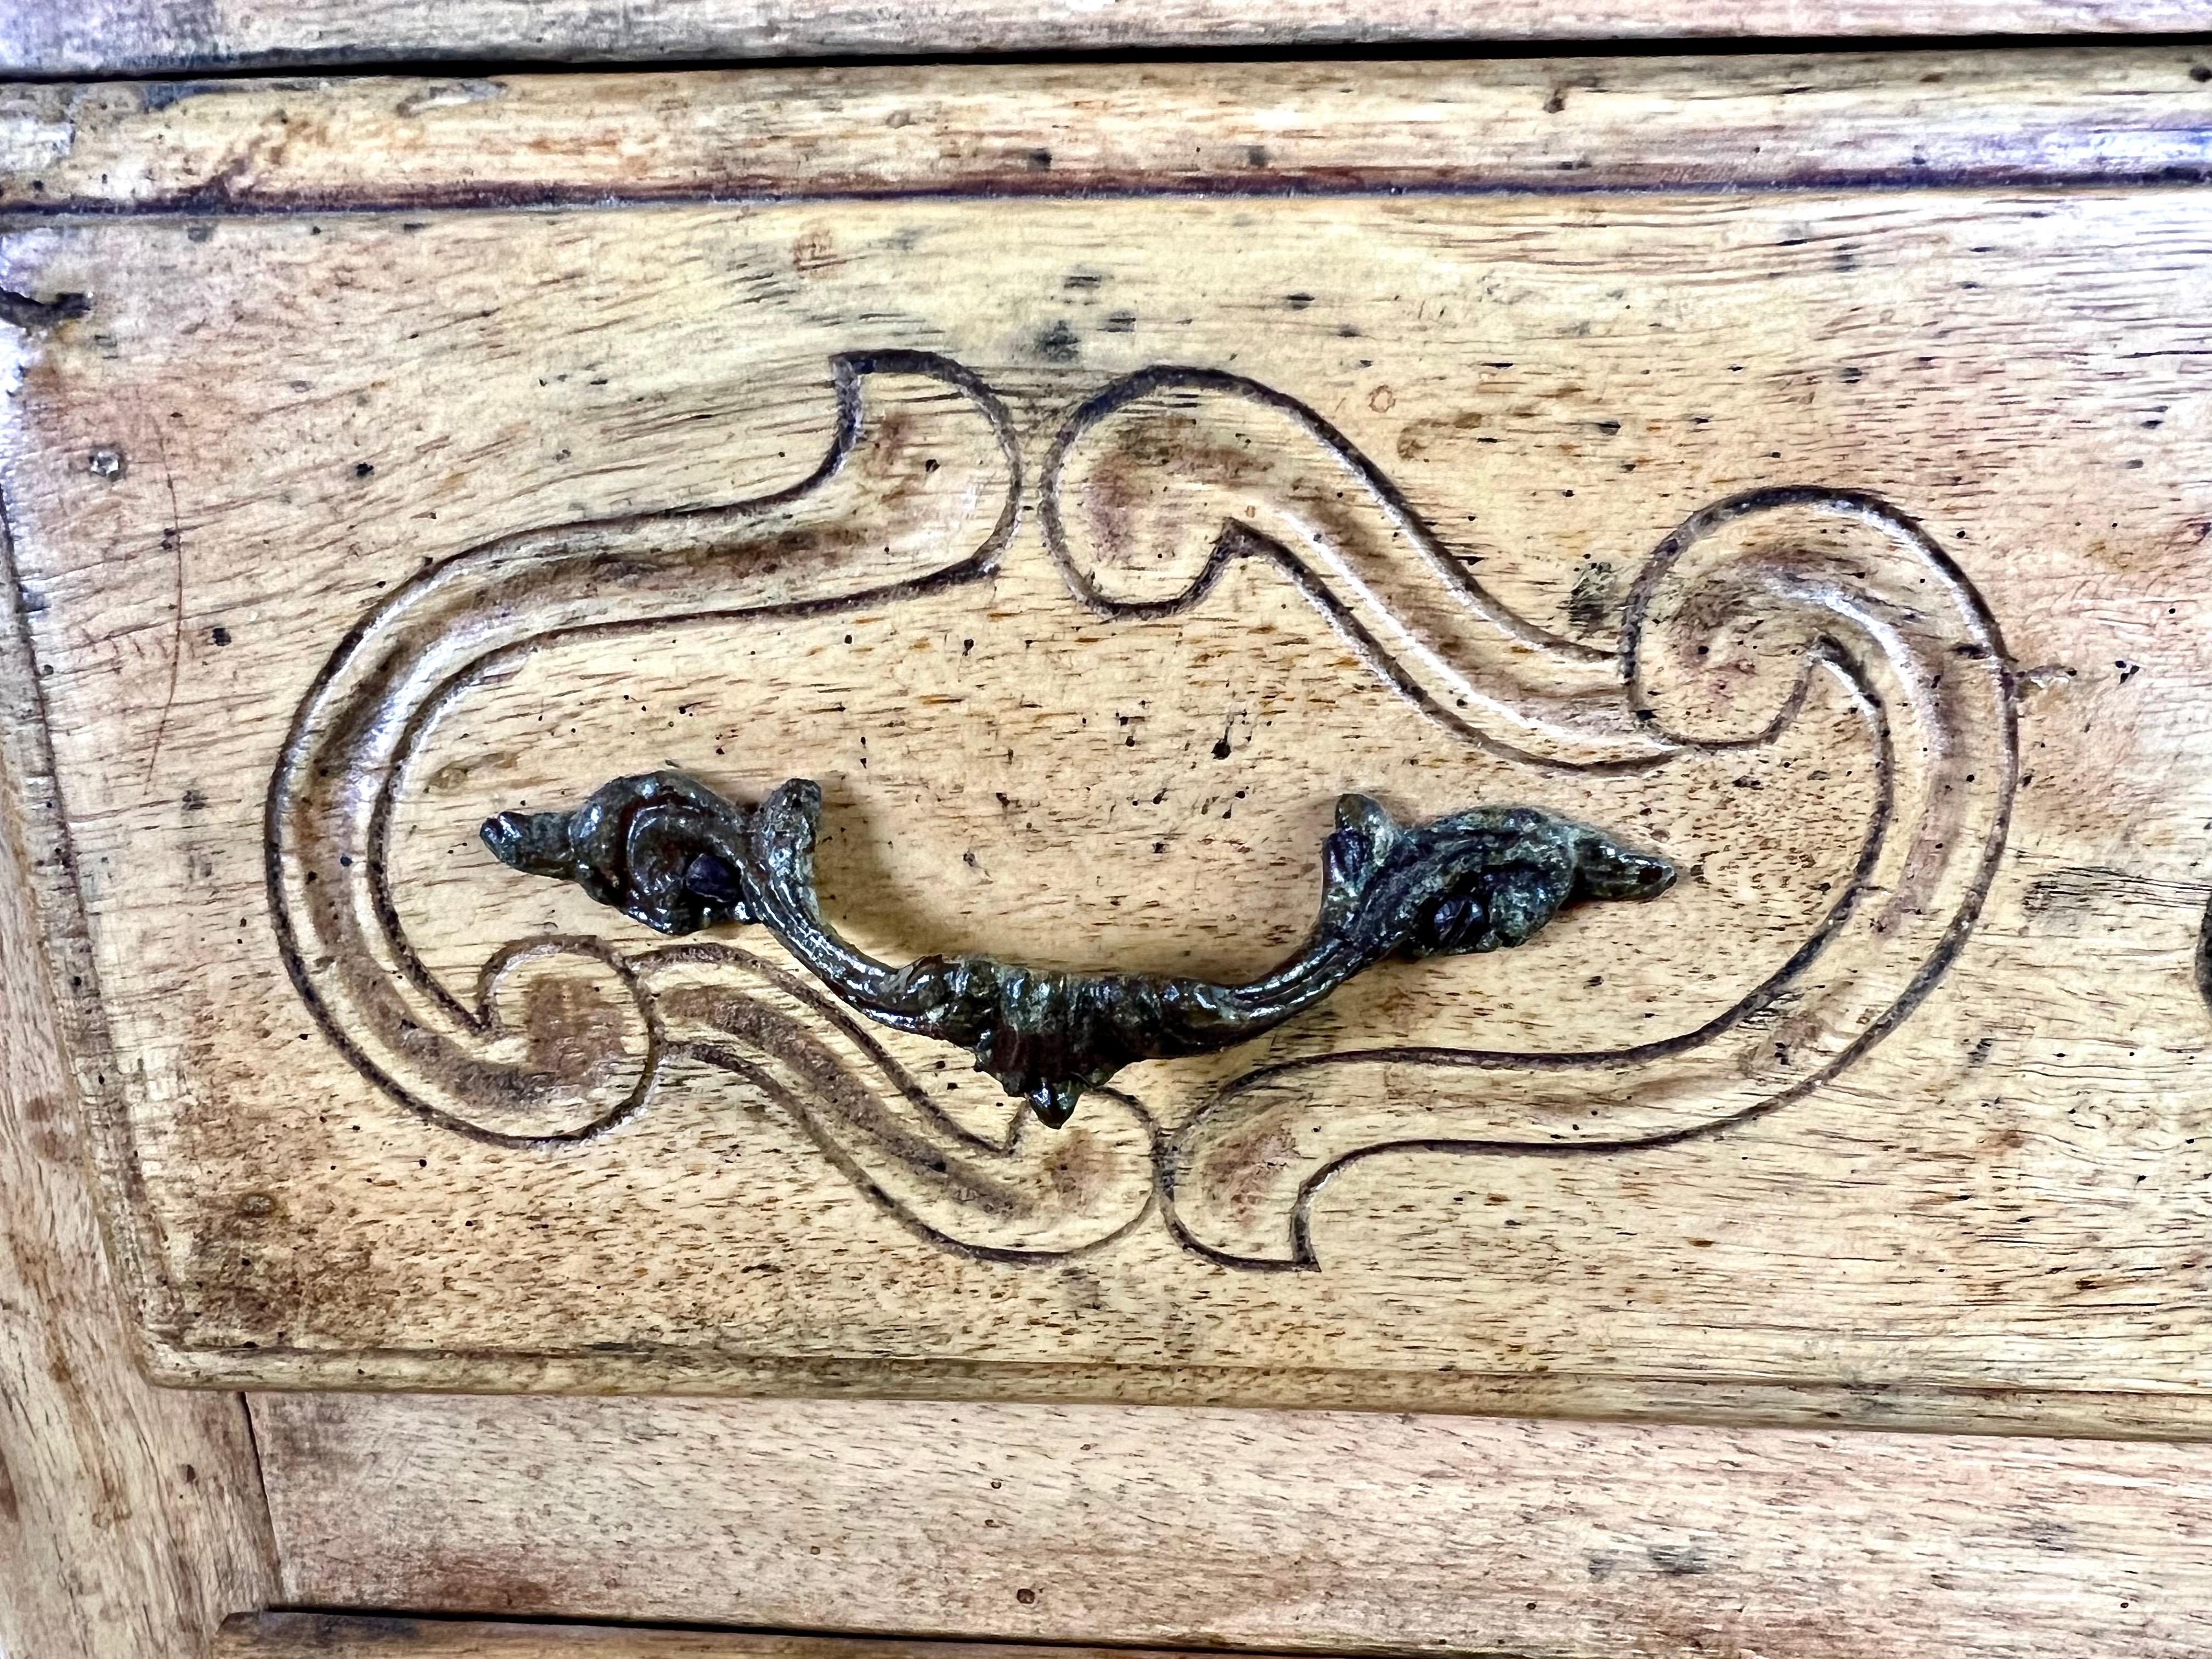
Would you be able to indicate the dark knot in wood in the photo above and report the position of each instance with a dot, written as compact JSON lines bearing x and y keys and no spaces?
{"x":668,"y":851}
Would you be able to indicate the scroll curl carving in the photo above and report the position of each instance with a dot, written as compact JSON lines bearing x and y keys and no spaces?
{"x":1732,"y":618}
{"x":1151,"y":489}
{"x":564,"y":1038}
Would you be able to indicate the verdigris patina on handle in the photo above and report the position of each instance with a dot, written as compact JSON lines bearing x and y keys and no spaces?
{"x":668,"y":851}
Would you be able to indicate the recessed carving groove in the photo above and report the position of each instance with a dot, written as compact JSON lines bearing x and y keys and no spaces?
{"x":1748,"y":610}
{"x":330,"y":803}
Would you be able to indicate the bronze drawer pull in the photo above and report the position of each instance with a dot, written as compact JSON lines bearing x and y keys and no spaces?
{"x":668,"y":851}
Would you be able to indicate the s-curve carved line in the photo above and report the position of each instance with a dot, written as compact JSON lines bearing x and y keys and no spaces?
{"x":1747,"y":610}
{"x":1156,"y":485}
{"x":561,"y":1038}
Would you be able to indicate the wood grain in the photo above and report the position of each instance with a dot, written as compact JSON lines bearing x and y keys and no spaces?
{"x":131,"y":1519}
{"x":1550,"y":1181}
{"x":1922,"y":118}
{"x":115,"y":37}
{"x":1306,"y":1531}
{"x":336,"y":1636}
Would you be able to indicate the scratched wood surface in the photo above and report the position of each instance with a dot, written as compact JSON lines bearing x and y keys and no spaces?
{"x":118,"y":37}
{"x":2047,"y":115}
{"x":131,"y":1518}
{"x":284,"y":1635}
{"x":1302,"y":1531}
{"x":1889,"y":1108}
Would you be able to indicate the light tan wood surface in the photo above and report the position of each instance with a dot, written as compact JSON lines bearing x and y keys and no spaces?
{"x":114,"y":37}
{"x":131,"y":1518}
{"x":1313,"y":1532}
{"x":284,"y":1635}
{"x":1932,"y":119}
{"x":1987,"y":1221}
{"x":1888,"y":1108}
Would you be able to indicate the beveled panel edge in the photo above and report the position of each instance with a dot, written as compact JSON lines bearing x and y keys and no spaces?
{"x":1560,"y":1396}
{"x":346,"y":1635}
{"x":30,"y":806}
{"x":2114,"y":115}
{"x":131,"y":1519}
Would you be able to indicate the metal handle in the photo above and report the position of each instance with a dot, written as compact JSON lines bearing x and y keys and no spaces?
{"x":668,"y":851}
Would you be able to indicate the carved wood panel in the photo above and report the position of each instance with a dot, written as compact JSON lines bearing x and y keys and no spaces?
{"x":1832,"y":551}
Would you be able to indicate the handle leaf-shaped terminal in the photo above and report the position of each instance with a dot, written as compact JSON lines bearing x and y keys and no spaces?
{"x":664,"y":850}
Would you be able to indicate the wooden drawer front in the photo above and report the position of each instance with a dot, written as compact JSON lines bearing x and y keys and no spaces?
{"x":1842,"y":548}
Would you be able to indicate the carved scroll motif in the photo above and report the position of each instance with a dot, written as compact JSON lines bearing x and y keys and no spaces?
{"x":1730,"y":619}
{"x":1151,"y":489}
{"x":562,"y":1038}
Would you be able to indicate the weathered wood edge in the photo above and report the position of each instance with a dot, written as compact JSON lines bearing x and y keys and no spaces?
{"x":120,"y":36}
{"x":339,"y":1635}
{"x":42,"y":871}
{"x":133,"y":1519}
{"x":2084,"y":115}
{"x":1247,"y":1530}
{"x":1564,"y":1396}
